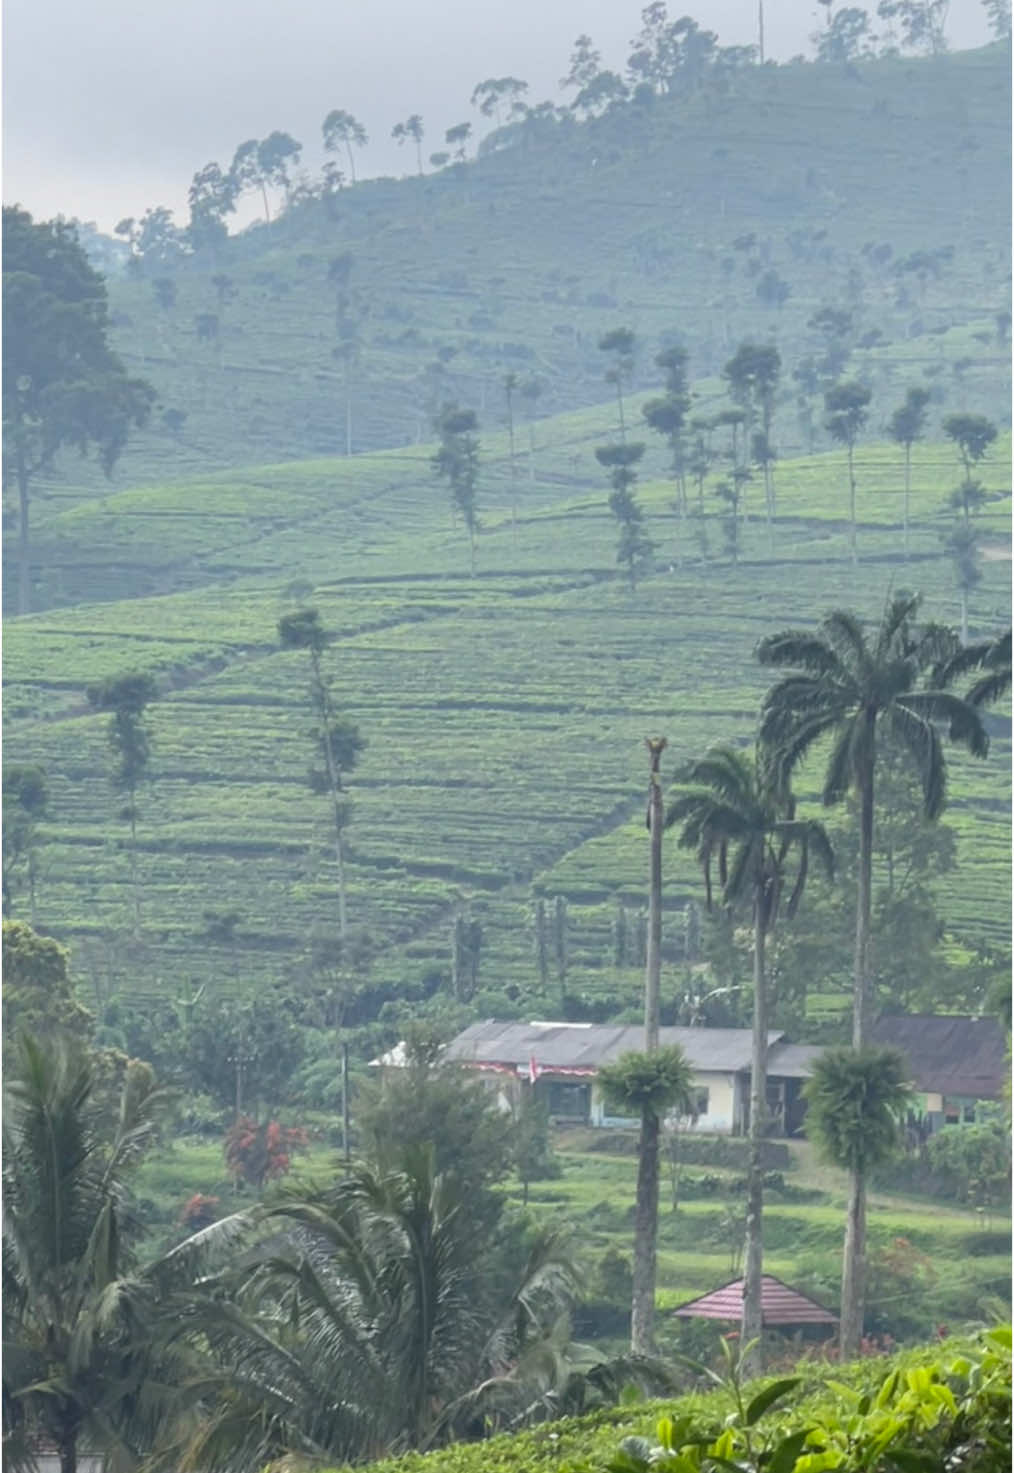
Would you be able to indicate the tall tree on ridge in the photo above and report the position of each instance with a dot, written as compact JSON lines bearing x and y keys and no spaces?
{"x":856,"y":1099}
{"x":905,"y":426}
{"x":126,"y":698}
{"x":734,"y":810}
{"x":340,"y":129}
{"x":847,"y":406}
{"x":849,"y":685}
{"x":62,"y":383}
{"x":337,"y":739}
{"x":412,"y":128}
{"x":649,"y":1085}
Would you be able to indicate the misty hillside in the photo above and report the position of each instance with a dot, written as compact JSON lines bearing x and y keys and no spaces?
{"x":880,"y":189}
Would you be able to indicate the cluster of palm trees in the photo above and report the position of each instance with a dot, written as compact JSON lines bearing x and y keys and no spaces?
{"x":387,"y":1310}
{"x":848,"y":693}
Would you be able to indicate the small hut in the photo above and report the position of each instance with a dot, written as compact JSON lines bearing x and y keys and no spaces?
{"x":781,"y":1307}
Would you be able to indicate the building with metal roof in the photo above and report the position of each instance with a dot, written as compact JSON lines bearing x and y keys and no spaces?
{"x":954,"y":1062}
{"x":560,"y":1062}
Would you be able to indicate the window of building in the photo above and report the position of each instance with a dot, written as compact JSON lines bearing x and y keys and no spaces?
{"x":568,"y":1101}
{"x":701,"y":1102}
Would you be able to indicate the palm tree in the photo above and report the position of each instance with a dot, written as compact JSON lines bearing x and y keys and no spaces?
{"x":649,"y":1085}
{"x":653,"y":961}
{"x":369,"y":1319}
{"x":83,"y":1365}
{"x":850,"y":686}
{"x":855,"y":1102}
{"x":732,"y":809}
{"x":991,"y":657}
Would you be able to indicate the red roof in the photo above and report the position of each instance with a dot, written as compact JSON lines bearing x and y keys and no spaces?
{"x":780,"y":1305}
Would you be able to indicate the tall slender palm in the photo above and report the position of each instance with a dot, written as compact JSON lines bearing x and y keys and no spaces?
{"x":850,"y":685}
{"x":370,"y":1315}
{"x":649,"y":1085}
{"x":856,"y":1099}
{"x":82,"y":1365}
{"x":733,"y":809}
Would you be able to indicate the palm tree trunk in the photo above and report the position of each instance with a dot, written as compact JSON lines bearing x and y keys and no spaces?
{"x":853,"y":1288}
{"x":653,"y":960}
{"x":619,"y":400}
{"x":753,"y":1325}
{"x":861,"y":1001}
{"x":642,"y":1335}
{"x":514,"y":472}
{"x":964,"y":614}
{"x":348,"y":408}
{"x":68,"y":1454}
{"x":908,"y":488}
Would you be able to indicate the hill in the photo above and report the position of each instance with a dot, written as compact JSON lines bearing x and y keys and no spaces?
{"x":505,"y":713}
{"x":881,"y":189}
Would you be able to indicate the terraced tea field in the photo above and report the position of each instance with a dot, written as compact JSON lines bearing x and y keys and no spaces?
{"x":505,"y":714}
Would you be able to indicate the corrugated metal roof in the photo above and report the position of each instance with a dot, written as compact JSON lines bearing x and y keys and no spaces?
{"x":780,"y":1305}
{"x":566,"y":1045}
{"x":949,"y":1055}
{"x":793,"y":1060}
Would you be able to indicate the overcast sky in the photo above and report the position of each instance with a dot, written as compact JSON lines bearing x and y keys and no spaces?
{"x":111,"y":106}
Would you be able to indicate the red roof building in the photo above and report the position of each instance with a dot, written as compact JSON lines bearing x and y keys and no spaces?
{"x":780,"y":1305}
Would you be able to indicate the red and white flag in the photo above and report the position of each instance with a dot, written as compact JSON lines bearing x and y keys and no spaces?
{"x":533,"y":1070}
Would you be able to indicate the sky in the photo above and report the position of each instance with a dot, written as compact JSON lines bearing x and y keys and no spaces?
{"x":110,"y":107}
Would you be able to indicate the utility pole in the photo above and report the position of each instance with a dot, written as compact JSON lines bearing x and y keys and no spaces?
{"x":653,"y":964}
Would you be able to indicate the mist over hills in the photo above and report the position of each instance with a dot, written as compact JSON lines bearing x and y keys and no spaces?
{"x":880,"y":188}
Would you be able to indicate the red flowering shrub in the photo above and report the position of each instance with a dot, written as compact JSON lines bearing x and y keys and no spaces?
{"x":199,"y":1212}
{"x":259,"y":1153}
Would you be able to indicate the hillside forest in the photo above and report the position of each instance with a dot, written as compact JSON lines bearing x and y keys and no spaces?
{"x":372,"y":565}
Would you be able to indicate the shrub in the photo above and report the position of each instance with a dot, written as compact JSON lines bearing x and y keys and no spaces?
{"x":259,"y":1153}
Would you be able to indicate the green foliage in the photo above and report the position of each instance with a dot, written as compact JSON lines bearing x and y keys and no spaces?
{"x":446,"y":1109}
{"x":949,"y":1402}
{"x":855,"y":1101}
{"x":38,"y":994}
{"x":652,"y":1084}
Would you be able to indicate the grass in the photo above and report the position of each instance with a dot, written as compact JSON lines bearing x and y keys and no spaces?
{"x":505,"y":714}
{"x":697,"y":1248}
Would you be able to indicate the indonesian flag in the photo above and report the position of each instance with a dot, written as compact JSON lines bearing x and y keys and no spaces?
{"x":533,"y":1070}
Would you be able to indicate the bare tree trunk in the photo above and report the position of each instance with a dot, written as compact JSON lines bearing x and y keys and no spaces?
{"x":964,"y":614}
{"x":642,"y":1334}
{"x":653,"y":963}
{"x":753,"y":1322}
{"x":348,"y":407}
{"x":267,"y":212}
{"x":852,"y":503}
{"x":853,"y":1276}
{"x":861,"y":1001}
{"x":334,"y":783}
{"x":68,"y":1453}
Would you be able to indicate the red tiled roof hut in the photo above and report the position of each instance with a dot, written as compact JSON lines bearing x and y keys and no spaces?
{"x":780,"y":1305}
